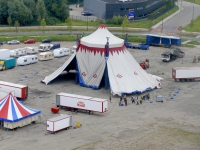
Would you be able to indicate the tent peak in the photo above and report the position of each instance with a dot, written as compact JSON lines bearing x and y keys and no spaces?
{"x":102,"y":26}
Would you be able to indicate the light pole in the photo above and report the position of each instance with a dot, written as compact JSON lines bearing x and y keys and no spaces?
{"x":162,"y":22}
{"x":193,"y":13}
{"x":87,"y":23}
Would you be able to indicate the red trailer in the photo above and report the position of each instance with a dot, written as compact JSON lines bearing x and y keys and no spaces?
{"x":20,"y":91}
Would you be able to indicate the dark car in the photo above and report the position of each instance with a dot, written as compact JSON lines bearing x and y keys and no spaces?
{"x":46,"y":41}
{"x":29,"y":41}
{"x":1,"y":43}
{"x":85,"y":13}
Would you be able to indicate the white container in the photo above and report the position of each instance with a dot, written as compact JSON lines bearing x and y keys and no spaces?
{"x":44,"y":47}
{"x":59,"y":52}
{"x":26,"y":60}
{"x":21,"y":91}
{"x":59,"y":123}
{"x":46,"y":56}
{"x":31,"y":50}
{"x":185,"y":73}
{"x":4,"y":53}
{"x":82,"y":102}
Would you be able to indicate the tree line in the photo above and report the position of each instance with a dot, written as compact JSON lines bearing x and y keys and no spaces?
{"x":31,"y":12}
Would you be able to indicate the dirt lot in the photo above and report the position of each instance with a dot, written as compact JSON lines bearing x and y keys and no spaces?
{"x":173,"y":124}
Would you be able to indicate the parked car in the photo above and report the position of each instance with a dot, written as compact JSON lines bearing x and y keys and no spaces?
{"x":13,"y":42}
{"x":46,"y":41}
{"x":85,"y":13}
{"x":29,"y":41}
{"x":1,"y":43}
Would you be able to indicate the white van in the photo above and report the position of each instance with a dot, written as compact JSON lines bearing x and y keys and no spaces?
{"x":46,"y":56}
{"x":44,"y":47}
{"x":59,"y":52}
{"x":74,"y":48}
{"x":32,"y":50}
{"x":26,"y":60}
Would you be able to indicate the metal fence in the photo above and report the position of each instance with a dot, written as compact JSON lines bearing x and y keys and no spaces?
{"x":83,"y":18}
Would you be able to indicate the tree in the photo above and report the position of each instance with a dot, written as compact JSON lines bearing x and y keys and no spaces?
{"x":43,"y":24}
{"x":69,"y":23}
{"x":39,"y":19}
{"x":17,"y":24}
{"x":9,"y":20}
{"x":41,"y":9}
{"x":124,"y":23}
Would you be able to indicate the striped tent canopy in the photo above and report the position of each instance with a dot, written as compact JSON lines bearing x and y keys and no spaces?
{"x":11,"y":110}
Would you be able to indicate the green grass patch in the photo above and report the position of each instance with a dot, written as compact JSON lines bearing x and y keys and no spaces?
{"x":194,"y":1}
{"x":193,"y":26}
{"x":188,"y":35}
{"x":194,"y":43}
{"x":60,"y":37}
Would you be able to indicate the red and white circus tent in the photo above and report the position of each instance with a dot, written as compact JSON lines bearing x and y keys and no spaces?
{"x":14,"y":114}
{"x":103,"y":56}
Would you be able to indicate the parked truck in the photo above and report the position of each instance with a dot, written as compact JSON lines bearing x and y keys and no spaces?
{"x":169,"y":56}
{"x":7,"y":63}
{"x":21,"y":91}
{"x":4,"y":53}
{"x":141,"y":46}
{"x":186,"y":73}
{"x":59,"y":123}
{"x":81,"y":102}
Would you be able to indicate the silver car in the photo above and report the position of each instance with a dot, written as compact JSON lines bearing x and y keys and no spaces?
{"x":13,"y":42}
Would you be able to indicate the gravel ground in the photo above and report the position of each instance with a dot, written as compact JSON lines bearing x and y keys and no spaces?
{"x":173,"y":124}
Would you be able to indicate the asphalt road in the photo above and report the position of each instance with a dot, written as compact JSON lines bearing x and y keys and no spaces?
{"x":187,"y":12}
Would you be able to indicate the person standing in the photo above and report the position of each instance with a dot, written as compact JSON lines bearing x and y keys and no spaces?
{"x":110,"y":98}
{"x":120,"y":101}
{"x":133,"y":99}
{"x":141,"y":100}
{"x":137,"y":101}
{"x":125,"y":101}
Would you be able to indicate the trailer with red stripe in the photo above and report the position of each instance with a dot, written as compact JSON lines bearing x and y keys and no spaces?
{"x":20,"y":91}
{"x":78,"y":102}
{"x":59,"y":123}
{"x":186,"y":73}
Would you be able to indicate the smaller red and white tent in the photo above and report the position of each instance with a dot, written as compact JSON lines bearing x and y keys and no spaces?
{"x":14,"y":114}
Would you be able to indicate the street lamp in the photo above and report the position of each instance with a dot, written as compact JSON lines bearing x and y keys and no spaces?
{"x":87,"y":23}
{"x":162,"y":22}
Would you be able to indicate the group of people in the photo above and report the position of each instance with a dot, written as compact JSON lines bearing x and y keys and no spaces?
{"x":135,"y":99}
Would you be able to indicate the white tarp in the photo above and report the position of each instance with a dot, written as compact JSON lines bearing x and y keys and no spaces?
{"x":126,"y":75}
{"x":56,"y":73}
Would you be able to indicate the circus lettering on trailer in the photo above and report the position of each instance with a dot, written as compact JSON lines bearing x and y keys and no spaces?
{"x":81,"y":104}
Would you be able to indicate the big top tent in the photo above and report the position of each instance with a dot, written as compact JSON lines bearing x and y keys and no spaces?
{"x":14,"y":114}
{"x":103,"y":56}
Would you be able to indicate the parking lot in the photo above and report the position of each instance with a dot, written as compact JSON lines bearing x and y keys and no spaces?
{"x":173,"y":124}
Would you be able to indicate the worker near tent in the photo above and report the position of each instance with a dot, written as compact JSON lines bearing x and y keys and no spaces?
{"x":137,"y":101}
{"x":141,"y":99}
{"x":120,"y":101}
{"x":125,"y":101}
{"x":133,"y":99}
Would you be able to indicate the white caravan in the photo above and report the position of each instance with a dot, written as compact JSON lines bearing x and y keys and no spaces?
{"x":46,"y":56}
{"x":59,"y":52}
{"x":74,"y":48}
{"x":44,"y":47}
{"x":17,"y":52}
{"x":26,"y":60}
{"x":32,"y":50}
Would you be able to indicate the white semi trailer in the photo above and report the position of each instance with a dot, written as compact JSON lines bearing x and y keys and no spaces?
{"x":82,"y":102}
{"x":185,"y":73}
{"x":20,"y":91}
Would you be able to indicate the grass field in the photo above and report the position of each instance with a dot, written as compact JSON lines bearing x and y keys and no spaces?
{"x":193,"y":27}
{"x":66,"y":37}
{"x":194,"y":1}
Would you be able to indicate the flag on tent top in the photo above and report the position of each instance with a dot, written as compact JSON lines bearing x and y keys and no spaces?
{"x":12,"y":110}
